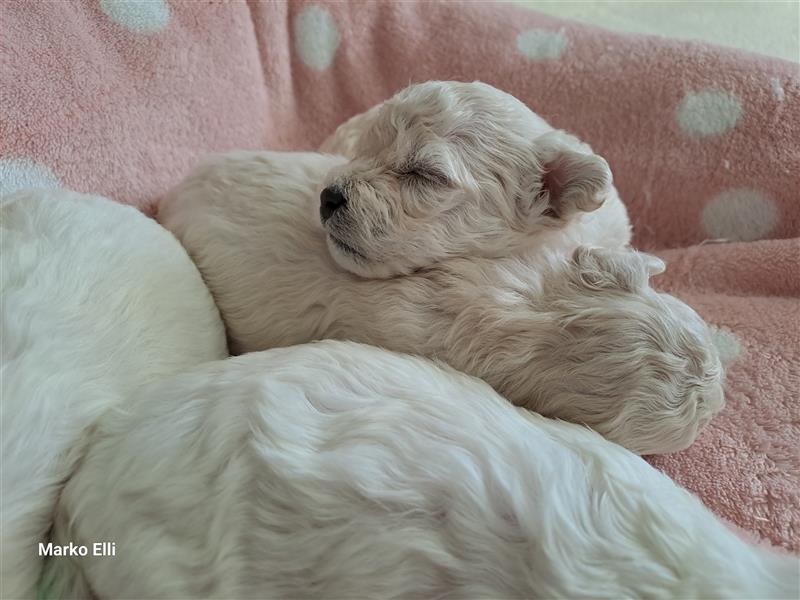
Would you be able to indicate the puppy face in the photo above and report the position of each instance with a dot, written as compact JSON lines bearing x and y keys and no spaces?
{"x":446,"y":169}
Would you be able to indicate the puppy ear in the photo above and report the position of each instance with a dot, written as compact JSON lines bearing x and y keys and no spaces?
{"x":605,"y":269}
{"x":573,"y":179}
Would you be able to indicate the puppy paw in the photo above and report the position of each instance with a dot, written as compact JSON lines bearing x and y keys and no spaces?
{"x":603,"y":268}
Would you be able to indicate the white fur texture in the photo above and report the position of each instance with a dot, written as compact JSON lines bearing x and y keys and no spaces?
{"x":446,"y":169}
{"x":96,"y":300}
{"x":582,"y":338}
{"x":336,"y":470}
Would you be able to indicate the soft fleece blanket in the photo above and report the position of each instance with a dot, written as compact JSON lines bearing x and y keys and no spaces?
{"x":120,"y":98}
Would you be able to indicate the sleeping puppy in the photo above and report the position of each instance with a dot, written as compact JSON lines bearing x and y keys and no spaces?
{"x":449,"y":169}
{"x":568,"y":331}
{"x":337,"y":470}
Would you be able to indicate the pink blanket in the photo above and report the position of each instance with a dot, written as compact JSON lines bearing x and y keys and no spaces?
{"x":121,"y":97}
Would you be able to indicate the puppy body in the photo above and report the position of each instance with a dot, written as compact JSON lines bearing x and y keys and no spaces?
{"x":337,"y":470}
{"x":582,"y":337}
{"x":97,"y":299}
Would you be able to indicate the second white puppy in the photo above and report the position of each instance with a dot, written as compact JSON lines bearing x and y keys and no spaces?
{"x":295,"y":474}
{"x":582,"y":339}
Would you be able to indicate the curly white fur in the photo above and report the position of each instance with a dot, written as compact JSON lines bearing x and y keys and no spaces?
{"x":336,"y":470}
{"x":584,"y":338}
{"x":446,"y":169}
{"x":97,"y":299}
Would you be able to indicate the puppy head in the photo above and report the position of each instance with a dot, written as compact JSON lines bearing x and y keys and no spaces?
{"x":447,"y":169}
{"x":595,"y":344}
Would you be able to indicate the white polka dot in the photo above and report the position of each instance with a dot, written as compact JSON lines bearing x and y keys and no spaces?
{"x":726,"y":343}
{"x":19,"y":173}
{"x":740,"y":215}
{"x":140,"y":16}
{"x":777,"y":89}
{"x":709,"y":112}
{"x":538,"y":44}
{"x":316,"y":37}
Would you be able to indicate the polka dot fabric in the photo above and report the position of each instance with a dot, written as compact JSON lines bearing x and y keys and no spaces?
{"x":120,"y":98}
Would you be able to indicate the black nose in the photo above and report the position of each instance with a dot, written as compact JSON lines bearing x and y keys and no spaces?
{"x":330,"y":200}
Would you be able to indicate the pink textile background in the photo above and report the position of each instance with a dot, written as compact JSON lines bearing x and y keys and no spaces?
{"x":704,"y":143}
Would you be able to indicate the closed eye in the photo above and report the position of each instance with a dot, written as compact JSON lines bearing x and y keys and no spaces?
{"x":426,"y":173}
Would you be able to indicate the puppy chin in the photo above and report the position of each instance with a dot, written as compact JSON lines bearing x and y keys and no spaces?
{"x":360,"y":265}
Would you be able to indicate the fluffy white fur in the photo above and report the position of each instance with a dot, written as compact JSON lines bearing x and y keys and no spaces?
{"x":97,"y":299}
{"x":336,"y":470}
{"x":446,"y":169}
{"x":582,"y":338}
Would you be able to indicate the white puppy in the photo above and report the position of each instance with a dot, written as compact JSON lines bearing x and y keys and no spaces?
{"x":337,"y":470}
{"x":583,"y":338}
{"x":447,"y":169}
{"x":97,"y":299}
